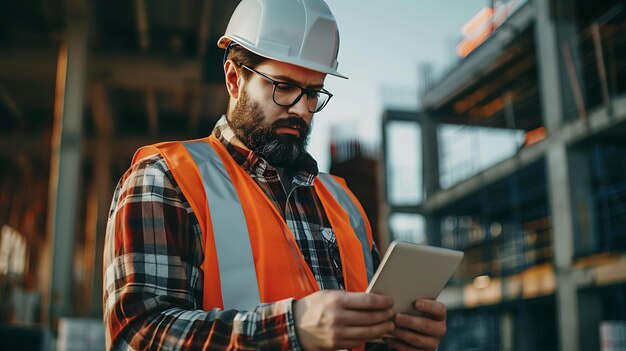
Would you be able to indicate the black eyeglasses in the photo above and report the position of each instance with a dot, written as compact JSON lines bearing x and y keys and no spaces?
{"x":288,"y":94}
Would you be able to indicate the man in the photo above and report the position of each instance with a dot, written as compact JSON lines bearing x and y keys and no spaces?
{"x":236,"y":241}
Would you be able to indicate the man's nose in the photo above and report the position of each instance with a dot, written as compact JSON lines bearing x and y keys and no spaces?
{"x":301,"y":108}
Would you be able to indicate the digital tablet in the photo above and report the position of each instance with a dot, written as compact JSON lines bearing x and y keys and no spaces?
{"x":409,"y":272}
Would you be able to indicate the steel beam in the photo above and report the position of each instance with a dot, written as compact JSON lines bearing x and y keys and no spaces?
{"x":118,"y":70}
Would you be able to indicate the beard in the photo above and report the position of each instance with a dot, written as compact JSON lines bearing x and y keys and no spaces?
{"x":247,"y":121}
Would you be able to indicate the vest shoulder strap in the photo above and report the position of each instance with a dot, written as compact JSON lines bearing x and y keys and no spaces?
{"x":358,"y":220}
{"x":235,"y":260}
{"x":230,"y":232}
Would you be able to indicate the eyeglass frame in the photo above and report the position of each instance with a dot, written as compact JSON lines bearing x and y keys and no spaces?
{"x":302,"y":90}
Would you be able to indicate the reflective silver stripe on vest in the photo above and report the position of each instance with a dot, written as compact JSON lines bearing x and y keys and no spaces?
{"x":240,"y":289}
{"x":356,"y":220}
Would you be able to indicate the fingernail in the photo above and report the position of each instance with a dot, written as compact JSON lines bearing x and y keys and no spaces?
{"x":419,"y":304}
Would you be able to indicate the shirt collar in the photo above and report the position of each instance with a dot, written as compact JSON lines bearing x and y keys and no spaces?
{"x":256,"y":165}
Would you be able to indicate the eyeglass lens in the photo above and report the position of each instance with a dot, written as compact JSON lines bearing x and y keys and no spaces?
{"x":287,"y":94}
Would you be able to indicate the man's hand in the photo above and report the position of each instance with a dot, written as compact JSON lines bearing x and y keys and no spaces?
{"x":420,"y":333}
{"x":331,"y":319}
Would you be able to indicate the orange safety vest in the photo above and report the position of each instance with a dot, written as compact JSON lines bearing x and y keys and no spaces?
{"x":281,"y":271}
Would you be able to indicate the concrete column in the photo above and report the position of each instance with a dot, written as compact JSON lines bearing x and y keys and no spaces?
{"x":102,"y":191}
{"x":506,"y":330}
{"x":65,"y":165}
{"x":573,"y":218}
{"x":433,"y":230}
{"x":386,"y":209}
{"x":549,"y":68}
{"x":563,"y":245}
{"x":430,"y":174}
{"x":99,"y":202}
{"x":430,"y":155}
{"x":559,"y":180}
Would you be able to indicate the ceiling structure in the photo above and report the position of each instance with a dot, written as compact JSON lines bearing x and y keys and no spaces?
{"x":153,"y":71}
{"x":83,"y":85}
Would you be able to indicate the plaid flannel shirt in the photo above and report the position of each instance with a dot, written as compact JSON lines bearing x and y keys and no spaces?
{"x":153,"y":253}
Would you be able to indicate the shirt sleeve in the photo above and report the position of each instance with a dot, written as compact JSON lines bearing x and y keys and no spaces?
{"x":153,"y":283}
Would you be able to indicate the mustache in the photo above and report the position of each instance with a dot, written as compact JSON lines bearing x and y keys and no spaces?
{"x":292,"y":122}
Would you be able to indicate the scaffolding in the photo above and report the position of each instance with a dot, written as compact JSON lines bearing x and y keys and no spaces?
{"x":544,"y":229}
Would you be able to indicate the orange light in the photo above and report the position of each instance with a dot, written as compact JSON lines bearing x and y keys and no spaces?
{"x":538,"y":281}
{"x":534,"y":136}
{"x":470,"y":44}
{"x":476,"y":22}
{"x":481,"y":282}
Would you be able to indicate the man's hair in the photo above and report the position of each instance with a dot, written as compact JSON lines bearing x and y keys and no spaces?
{"x":241,"y":56}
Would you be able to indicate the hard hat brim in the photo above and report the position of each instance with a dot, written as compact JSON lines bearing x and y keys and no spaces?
{"x":225,"y":40}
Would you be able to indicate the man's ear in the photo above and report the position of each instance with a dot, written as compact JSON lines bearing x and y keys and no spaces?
{"x":232,"y":79}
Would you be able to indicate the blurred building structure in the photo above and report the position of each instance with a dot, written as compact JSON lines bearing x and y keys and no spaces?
{"x":83,"y":84}
{"x":359,"y":165}
{"x":544,"y":231}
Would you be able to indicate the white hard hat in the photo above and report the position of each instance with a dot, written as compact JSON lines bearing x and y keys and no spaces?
{"x":300,"y":32}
